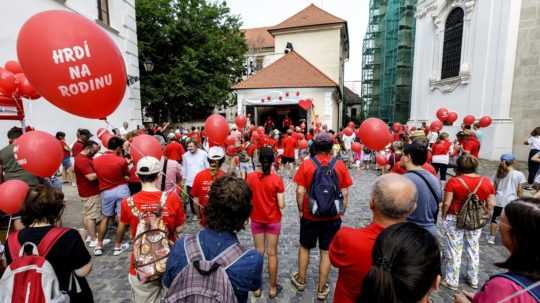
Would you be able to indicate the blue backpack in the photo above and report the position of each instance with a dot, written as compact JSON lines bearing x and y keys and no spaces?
{"x":325,"y":197}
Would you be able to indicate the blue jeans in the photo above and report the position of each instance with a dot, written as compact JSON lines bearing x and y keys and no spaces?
{"x":111,"y":199}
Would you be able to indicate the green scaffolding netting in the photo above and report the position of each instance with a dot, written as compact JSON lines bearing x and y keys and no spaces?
{"x":387,"y":60}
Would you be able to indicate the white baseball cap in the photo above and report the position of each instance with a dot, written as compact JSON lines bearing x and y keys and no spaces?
{"x":216,"y":153}
{"x":148,"y":166}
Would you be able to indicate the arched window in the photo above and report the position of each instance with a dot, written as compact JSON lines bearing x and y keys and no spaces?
{"x":453,"y":34}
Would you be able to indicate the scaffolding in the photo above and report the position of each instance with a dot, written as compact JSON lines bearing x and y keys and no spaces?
{"x":387,"y":60}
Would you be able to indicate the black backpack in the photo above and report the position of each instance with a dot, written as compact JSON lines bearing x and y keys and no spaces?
{"x":325,"y":197}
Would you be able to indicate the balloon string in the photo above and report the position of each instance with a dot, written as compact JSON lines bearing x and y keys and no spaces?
{"x":520,"y":292}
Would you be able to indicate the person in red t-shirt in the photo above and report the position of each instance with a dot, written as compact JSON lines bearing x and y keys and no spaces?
{"x":67,"y":172}
{"x":313,"y":228}
{"x":268,"y":198}
{"x":149,"y":200}
{"x":112,"y":171}
{"x":83,"y":135}
{"x":88,"y":187}
{"x":204,"y":179}
{"x":456,"y":192}
{"x":441,"y":155}
{"x":392,"y":200}
{"x":174,"y":150}
{"x":289,"y":147}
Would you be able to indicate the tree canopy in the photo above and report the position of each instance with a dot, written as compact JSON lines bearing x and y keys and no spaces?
{"x":198,"y":53}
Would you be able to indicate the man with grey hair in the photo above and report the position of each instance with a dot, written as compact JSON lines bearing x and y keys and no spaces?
{"x":392,"y":200}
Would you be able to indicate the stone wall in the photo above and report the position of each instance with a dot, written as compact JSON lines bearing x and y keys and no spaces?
{"x":525,"y":109}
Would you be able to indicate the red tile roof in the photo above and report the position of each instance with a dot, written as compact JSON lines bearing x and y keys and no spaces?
{"x":291,"y":70}
{"x":309,"y":16}
{"x":258,"y":37}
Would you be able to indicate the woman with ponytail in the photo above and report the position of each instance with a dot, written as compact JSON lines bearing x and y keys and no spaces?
{"x":268,"y":199}
{"x":406,"y":266}
{"x":508,"y":183}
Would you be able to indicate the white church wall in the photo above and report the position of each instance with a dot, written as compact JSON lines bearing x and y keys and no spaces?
{"x":484,"y":86}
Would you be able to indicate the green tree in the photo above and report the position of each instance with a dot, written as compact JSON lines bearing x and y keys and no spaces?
{"x":198,"y":53}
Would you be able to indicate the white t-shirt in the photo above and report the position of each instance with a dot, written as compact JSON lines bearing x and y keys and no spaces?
{"x":534,"y":142}
{"x":507,"y":187}
{"x":348,"y":140}
{"x":192,"y":164}
{"x":432,"y":137}
{"x":123,"y":131}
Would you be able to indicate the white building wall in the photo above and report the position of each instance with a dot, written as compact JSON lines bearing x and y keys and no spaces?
{"x":484,"y":86}
{"x":123,"y":30}
{"x":321,"y":47}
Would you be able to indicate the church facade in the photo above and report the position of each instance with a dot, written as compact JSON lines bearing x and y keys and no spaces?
{"x":479,"y":57}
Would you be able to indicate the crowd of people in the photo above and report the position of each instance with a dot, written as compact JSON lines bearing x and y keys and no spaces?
{"x":402,"y":255}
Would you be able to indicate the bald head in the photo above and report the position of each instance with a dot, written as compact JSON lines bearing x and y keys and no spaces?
{"x":394,"y":196}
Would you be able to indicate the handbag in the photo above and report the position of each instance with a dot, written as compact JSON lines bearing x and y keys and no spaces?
{"x":475,"y":212}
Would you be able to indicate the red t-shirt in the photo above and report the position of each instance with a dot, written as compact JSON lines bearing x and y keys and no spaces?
{"x":304,"y":177}
{"x":133,"y":178}
{"x":201,"y":187}
{"x":471,"y":145}
{"x":77,"y":148}
{"x":65,"y":148}
{"x":111,"y":170}
{"x":174,"y":151}
{"x":460,"y":192}
{"x":173,"y":214}
{"x":350,"y":251}
{"x":289,"y":144}
{"x":264,"y":191}
{"x":83,"y":166}
{"x":441,"y":147}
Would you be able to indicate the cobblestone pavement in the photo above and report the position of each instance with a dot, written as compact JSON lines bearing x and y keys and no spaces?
{"x":109,"y":283}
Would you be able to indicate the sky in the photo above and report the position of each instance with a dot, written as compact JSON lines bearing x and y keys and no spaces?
{"x":257,"y":13}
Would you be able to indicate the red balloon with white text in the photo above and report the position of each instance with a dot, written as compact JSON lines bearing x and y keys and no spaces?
{"x":74,"y":64}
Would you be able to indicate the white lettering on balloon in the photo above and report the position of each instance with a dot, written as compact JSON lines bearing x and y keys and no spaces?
{"x":85,"y":81}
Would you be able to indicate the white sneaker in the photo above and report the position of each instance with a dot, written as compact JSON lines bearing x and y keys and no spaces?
{"x":491,"y":240}
{"x":94,"y":243}
{"x":119,"y":250}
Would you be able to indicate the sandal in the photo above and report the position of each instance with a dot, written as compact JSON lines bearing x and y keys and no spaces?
{"x":296,"y":283}
{"x":322,"y":295}
{"x":257,"y":293}
{"x":98,"y":251}
{"x":447,"y":285}
{"x":119,"y":250}
{"x":279,"y":288}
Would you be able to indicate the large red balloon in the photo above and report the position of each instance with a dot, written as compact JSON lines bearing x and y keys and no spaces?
{"x":442,"y":114}
{"x":240,"y":121}
{"x":217,"y":129}
{"x":469,"y":120}
{"x":8,"y":82}
{"x":302,"y":144}
{"x":12,"y":196}
{"x":452,"y":117}
{"x":13,"y":66}
{"x":145,"y":145}
{"x":104,"y":136}
{"x":436,"y":126}
{"x":39,"y":153}
{"x":374,"y":133}
{"x":348,"y":131}
{"x":485,"y":121}
{"x":380,"y":159}
{"x":356,"y":147}
{"x":396,"y":127}
{"x":74,"y":64}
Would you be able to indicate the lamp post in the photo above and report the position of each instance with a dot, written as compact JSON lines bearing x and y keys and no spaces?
{"x":148,"y":65}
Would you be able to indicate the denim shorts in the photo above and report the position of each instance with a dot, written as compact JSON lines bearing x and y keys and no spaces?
{"x":111,"y":199}
{"x":66,"y":163}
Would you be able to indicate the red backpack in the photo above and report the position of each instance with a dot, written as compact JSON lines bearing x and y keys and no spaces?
{"x":30,"y":278}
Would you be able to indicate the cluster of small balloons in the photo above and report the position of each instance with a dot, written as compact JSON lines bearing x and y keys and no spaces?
{"x":446,"y":117}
